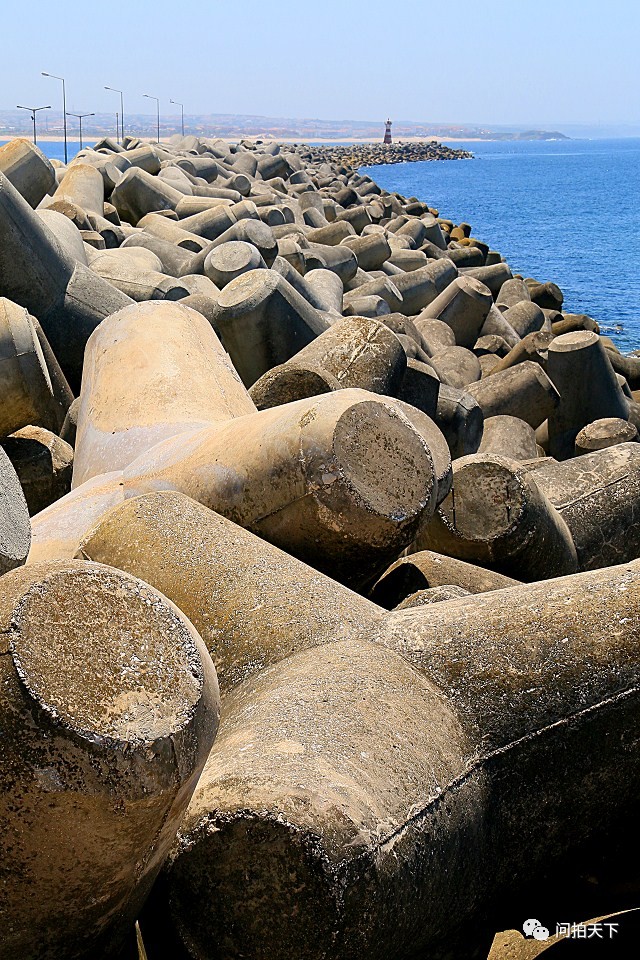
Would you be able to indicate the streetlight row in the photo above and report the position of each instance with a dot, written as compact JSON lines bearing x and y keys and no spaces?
{"x":80,"y":116}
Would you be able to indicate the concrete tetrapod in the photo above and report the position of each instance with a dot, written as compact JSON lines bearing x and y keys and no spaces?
{"x":264,"y":321}
{"x":68,"y":299}
{"x":103,"y":743}
{"x":598,"y":497}
{"x":27,"y":168}
{"x":28,"y":394}
{"x":523,"y":391}
{"x":302,"y":476}
{"x":151,"y":371}
{"x":139,"y":193}
{"x":497,"y":516}
{"x":411,"y":292}
{"x":325,"y":826}
{"x":210,"y":568}
{"x":579,"y":367}
{"x":353,"y":352}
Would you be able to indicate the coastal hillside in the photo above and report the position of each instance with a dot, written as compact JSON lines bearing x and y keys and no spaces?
{"x":16,"y":123}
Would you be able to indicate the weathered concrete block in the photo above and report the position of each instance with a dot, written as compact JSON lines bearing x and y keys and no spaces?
{"x":425,"y":570}
{"x":102,"y":747}
{"x":580,"y":369}
{"x":353,"y":352}
{"x":151,"y":371}
{"x":261,"y":308}
{"x":43,"y":463}
{"x":523,"y":391}
{"x":27,"y":168}
{"x":498,"y":516}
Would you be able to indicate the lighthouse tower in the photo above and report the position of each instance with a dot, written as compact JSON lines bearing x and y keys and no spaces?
{"x":387,"y":132}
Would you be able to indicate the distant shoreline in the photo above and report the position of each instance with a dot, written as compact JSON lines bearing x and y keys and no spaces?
{"x":91,"y":138}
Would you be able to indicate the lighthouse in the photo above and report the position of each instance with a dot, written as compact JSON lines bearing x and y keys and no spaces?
{"x":387,"y":132}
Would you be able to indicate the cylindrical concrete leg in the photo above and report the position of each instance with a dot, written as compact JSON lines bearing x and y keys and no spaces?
{"x":584,"y":377}
{"x":353,"y":352}
{"x":456,"y":366}
{"x":26,"y":387}
{"x":264,"y":322}
{"x":102,"y":747}
{"x":302,"y":476}
{"x":497,"y":324}
{"x":524,"y":317}
{"x":228,"y":261}
{"x":82,"y":185}
{"x":598,"y":497}
{"x":509,"y":437}
{"x":15,"y":528}
{"x":327,"y":288}
{"x":213,"y":570}
{"x":464,"y":305}
{"x":151,"y":371}
{"x":420,"y":387}
{"x":461,"y":420}
{"x":57,"y":530}
{"x":512,"y":292}
{"x":424,"y":570}
{"x":604,"y":433}
{"x":523,"y":391}
{"x":497,"y":516}
{"x":535,"y":347}
{"x":27,"y":168}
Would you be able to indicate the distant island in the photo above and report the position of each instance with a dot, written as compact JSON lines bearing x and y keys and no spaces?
{"x":17,"y":123}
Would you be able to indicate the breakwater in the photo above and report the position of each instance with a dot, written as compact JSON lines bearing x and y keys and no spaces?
{"x":367,"y":154}
{"x":285,"y":448}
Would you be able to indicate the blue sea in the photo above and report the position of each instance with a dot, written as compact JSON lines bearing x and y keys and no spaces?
{"x":567,"y":211}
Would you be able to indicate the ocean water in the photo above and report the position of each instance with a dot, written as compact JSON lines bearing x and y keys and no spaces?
{"x":567,"y":211}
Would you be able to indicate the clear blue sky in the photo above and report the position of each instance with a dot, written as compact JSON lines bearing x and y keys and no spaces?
{"x":497,"y":61}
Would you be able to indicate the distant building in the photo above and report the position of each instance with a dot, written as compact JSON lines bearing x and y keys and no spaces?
{"x":387,"y":132}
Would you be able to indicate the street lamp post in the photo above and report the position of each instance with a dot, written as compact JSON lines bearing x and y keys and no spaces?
{"x":64,"y":110}
{"x":181,"y":105}
{"x":157,"y":100}
{"x":33,"y":111}
{"x":115,"y":90}
{"x":80,"y":117}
